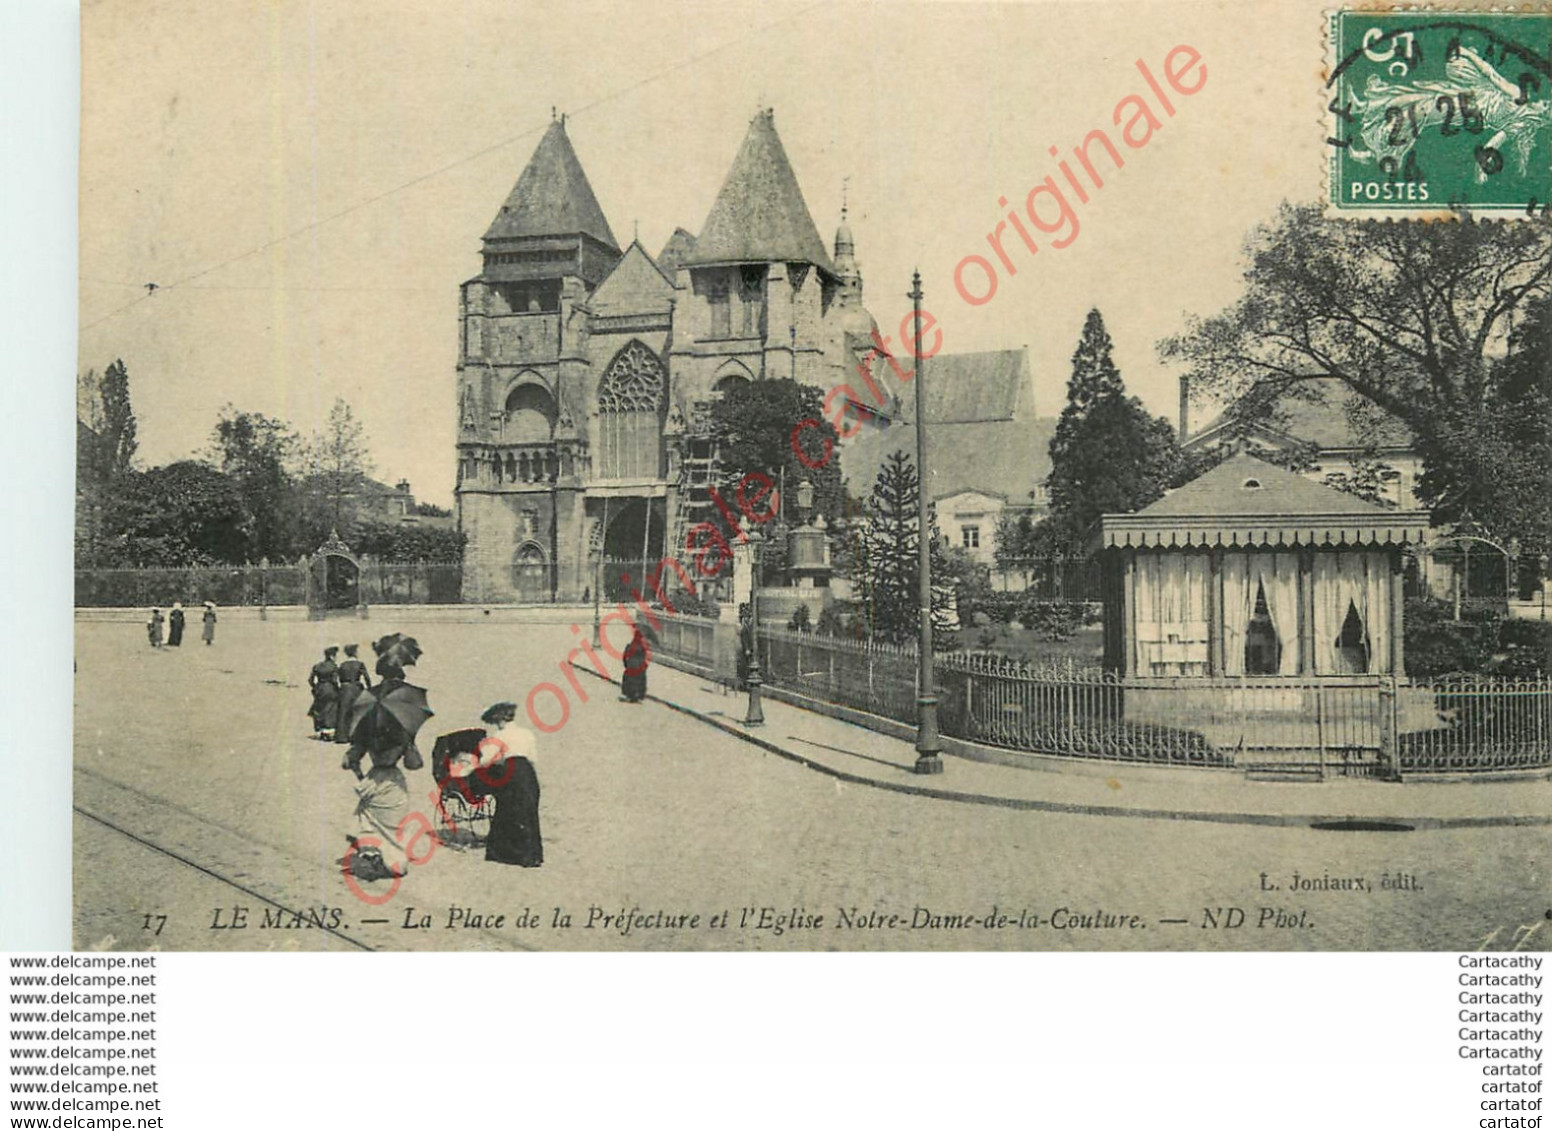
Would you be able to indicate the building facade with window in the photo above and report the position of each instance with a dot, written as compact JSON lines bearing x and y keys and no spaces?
{"x":585,"y":372}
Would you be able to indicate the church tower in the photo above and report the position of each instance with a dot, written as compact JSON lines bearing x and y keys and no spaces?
{"x":522,"y":354}
{"x":758,"y":278}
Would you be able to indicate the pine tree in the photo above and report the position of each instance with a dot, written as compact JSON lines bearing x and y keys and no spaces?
{"x":1109,"y":454}
{"x":886,"y":564}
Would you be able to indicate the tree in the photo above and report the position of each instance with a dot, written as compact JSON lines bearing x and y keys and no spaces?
{"x":337,"y":464}
{"x":887,"y":568}
{"x":105,"y":450}
{"x":185,"y":513}
{"x":1408,"y":314}
{"x":103,"y":406}
{"x":753,"y":424}
{"x":1109,"y":455}
{"x":259,"y":454}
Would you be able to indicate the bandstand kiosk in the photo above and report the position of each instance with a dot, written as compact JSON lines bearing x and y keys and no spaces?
{"x":1251,"y":570}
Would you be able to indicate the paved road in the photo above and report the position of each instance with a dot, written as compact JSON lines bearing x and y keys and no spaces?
{"x":199,"y":790}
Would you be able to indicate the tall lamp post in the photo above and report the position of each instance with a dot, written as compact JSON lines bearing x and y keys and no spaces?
{"x":929,"y":746}
{"x":755,"y":715}
{"x":598,"y":576}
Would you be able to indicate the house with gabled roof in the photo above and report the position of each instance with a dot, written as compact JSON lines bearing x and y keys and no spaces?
{"x":1337,"y":426}
{"x":988,"y":454}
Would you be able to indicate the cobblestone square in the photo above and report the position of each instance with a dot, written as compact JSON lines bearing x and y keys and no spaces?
{"x":200,"y":796}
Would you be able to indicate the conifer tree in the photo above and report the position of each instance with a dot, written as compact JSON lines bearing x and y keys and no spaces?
{"x":1109,"y":455}
{"x":887,"y":564}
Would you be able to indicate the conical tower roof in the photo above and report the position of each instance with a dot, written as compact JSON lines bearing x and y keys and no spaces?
{"x":760,"y":215}
{"x":552,"y":197}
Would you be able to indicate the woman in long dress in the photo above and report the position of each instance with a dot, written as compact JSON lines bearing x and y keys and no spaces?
{"x":382,"y":807}
{"x":324,"y":681}
{"x":209,"y":631}
{"x":503,"y":761}
{"x":175,"y":625}
{"x":633,"y":684}
{"x":382,"y":794}
{"x":352,"y":681}
{"x":154,"y":628}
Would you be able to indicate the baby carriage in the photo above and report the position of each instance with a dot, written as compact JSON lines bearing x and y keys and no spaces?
{"x":464,"y":804}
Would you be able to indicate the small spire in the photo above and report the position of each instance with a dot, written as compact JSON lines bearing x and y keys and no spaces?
{"x":552,"y":113}
{"x":845,"y":184}
{"x":636,"y":230}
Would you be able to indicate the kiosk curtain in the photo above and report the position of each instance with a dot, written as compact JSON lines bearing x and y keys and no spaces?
{"x":1170,"y":597}
{"x":1278,"y":577}
{"x":1358,"y":580}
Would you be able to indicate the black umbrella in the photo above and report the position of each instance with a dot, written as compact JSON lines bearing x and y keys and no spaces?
{"x":390,"y":714}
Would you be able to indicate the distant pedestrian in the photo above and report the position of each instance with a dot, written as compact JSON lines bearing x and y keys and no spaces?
{"x":353,"y":680}
{"x":175,"y":625}
{"x":633,"y":684}
{"x":324,"y":681}
{"x":154,"y":628}
{"x":209,"y":631}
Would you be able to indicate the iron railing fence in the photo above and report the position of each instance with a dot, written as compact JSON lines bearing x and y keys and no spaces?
{"x":1353,"y":726}
{"x":416,"y":583}
{"x":225,"y":585}
{"x":1488,"y":724}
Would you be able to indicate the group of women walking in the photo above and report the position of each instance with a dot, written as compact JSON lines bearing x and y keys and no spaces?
{"x":336,"y":686}
{"x":174,"y":621}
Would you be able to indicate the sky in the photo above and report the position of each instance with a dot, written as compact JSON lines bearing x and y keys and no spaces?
{"x":307,"y":182}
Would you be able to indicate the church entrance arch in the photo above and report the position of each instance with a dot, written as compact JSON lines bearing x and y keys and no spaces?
{"x":633,"y":544}
{"x":530,"y":574}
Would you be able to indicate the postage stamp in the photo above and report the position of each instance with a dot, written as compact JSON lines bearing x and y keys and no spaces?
{"x":1440,"y":110}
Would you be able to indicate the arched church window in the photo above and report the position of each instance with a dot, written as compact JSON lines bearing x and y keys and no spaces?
{"x":530,"y":415}
{"x":631,"y":396}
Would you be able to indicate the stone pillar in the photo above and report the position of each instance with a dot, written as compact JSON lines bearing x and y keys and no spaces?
{"x":1215,"y":658}
{"x":1129,"y":614}
{"x":1397,"y":613}
{"x":1306,"y":611}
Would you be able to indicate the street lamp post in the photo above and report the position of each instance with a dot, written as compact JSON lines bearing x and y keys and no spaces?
{"x":929,"y":746}
{"x":598,"y":577}
{"x":755,"y":715}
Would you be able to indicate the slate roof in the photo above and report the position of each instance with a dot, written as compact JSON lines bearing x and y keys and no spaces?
{"x":1320,"y":413}
{"x":679,"y":245}
{"x":759,"y":215}
{"x":969,"y":388}
{"x":979,"y":438}
{"x":552,"y":197}
{"x":1246,"y":501}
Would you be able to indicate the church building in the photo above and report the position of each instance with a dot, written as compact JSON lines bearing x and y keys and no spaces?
{"x":586,"y":372}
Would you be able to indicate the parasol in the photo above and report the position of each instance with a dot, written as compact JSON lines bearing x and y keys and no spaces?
{"x":389,"y":714}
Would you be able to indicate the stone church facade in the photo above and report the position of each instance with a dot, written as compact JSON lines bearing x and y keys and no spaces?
{"x":586,"y":372}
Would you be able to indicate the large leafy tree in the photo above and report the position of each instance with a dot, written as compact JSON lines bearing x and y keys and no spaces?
{"x":259,"y":454}
{"x":1410,"y":315}
{"x":185,"y":513}
{"x":753,"y":422}
{"x":1108,"y":455}
{"x":887,"y":569}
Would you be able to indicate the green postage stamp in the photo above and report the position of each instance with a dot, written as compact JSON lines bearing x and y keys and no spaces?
{"x":1433,"y":111}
